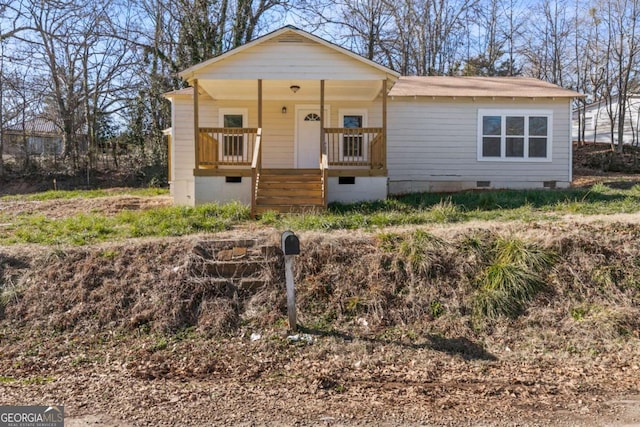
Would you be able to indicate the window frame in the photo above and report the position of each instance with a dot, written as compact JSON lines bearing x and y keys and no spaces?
{"x":244,"y":112}
{"x":363,"y":112}
{"x":503,"y":114}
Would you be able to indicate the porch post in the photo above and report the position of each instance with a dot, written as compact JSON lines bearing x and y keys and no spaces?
{"x":384,"y":123}
{"x":259,"y":103}
{"x":196,"y":123}
{"x":322,"y":148}
{"x":259,"y":115}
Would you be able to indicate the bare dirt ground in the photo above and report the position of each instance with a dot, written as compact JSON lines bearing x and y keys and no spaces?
{"x":62,"y":208}
{"x":75,"y":337}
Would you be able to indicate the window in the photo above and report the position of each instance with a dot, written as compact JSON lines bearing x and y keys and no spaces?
{"x":514,"y":135}
{"x":353,"y":141}
{"x":233,"y":144}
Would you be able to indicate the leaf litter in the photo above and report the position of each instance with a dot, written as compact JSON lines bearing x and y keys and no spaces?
{"x":144,"y":332}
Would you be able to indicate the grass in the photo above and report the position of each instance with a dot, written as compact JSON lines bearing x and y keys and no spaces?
{"x":92,"y":228}
{"x":432,"y":208}
{"x":412,"y":209}
{"x":87,"y":194}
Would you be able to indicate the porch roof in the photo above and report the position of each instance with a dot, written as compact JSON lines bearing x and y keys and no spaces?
{"x":488,"y":87}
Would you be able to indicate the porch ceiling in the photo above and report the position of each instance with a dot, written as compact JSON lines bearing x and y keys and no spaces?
{"x":335,"y":90}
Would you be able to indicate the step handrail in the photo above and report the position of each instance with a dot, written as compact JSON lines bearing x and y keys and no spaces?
{"x":324,"y":168}
{"x":256,"y":169}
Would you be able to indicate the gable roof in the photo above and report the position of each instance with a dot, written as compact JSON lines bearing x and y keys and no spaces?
{"x":189,"y":72}
{"x":491,"y":87}
{"x":38,"y":125}
{"x":613,"y":100}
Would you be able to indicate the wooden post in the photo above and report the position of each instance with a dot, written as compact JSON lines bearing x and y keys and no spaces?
{"x":384,"y":123}
{"x":259,"y":118}
{"x":291,"y":293}
{"x":196,"y":123}
{"x":259,"y":103}
{"x":321,"y":117}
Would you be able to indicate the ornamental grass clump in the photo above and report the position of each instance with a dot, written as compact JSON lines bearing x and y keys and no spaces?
{"x":514,"y":274}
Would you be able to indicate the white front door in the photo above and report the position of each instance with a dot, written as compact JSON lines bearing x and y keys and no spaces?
{"x":308,"y":138}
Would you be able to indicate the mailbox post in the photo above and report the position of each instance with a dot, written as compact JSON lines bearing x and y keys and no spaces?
{"x":290,"y":248}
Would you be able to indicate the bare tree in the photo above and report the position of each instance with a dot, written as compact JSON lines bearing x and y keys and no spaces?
{"x":623,"y":18}
{"x":365,"y":27}
{"x":548,"y":50}
{"x":433,"y":34}
{"x":9,"y":27}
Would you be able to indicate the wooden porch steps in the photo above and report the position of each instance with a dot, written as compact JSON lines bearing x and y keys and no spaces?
{"x":289,"y":190}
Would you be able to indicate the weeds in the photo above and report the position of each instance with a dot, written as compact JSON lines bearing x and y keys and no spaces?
{"x":446,"y":211}
{"x":9,"y":292}
{"x":579,"y":313}
{"x":39,"y":380}
{"x":513,"y":276}
{"x":420,"y":251}
{"x":436,"y":309}
{"x":161,"y":343}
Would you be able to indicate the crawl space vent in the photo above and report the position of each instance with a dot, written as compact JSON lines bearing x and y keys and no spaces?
{"x":346,"y":180}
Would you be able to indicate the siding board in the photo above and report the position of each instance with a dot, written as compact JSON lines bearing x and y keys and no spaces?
{"x":436,"y":140}
{"x":309,"y":61}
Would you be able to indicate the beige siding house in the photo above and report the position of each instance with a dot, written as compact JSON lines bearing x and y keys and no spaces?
{"x":293,"y":122}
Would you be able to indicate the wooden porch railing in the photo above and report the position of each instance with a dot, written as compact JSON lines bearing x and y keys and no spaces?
{"x":256,"y":170}
{"x":226,"y":147}
{"x":356,"y":147}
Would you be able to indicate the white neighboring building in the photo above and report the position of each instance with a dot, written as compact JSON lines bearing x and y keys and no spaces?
{"x":598,"y":122}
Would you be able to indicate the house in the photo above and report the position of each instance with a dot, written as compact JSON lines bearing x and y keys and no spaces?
{"x":290,"y":121}
{"x":42,"y":136}
{"x":600,"y":121}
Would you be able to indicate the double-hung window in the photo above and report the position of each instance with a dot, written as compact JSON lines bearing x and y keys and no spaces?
{"x":233,"y":143}
{"x":353,"y":146}
{"x":514,"y":135}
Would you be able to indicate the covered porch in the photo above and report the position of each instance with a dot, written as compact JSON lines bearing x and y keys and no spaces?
{"x":290,"y":136}
{"x":304,"y":119}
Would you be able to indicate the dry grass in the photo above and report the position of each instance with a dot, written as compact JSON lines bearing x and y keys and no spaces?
{"x":401,"y":285}
{"x":395,"y":321}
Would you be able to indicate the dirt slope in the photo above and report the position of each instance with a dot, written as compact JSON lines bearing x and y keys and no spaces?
{"x":145,"y":332}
